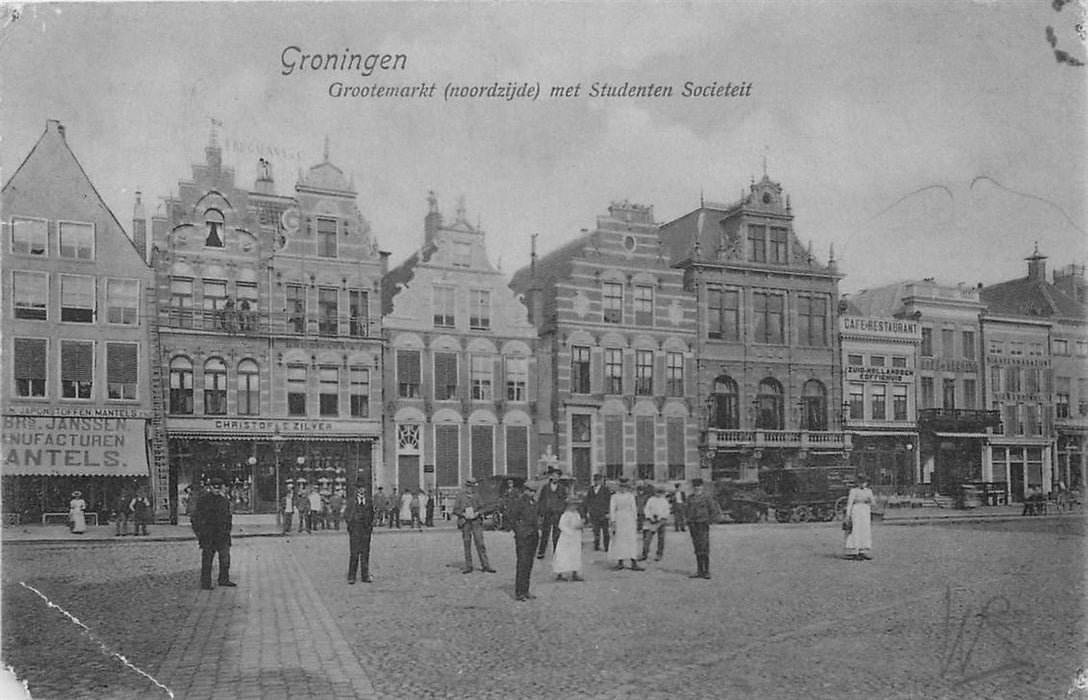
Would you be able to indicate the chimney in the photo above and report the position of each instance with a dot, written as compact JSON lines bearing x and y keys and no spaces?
{"x":139,"y":226}
{"x":1036,"y":265}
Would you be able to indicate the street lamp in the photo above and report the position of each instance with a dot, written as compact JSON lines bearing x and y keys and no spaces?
{"x":252,"y":462}
{"x":277,"y":445}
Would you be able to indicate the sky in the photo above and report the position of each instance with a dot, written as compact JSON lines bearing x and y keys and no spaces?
{"x":920,"y":139}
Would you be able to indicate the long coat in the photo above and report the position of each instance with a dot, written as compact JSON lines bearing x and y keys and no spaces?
{"x":623,"y":512}
{"x":359,"y":517}
{"x":212,"y":521}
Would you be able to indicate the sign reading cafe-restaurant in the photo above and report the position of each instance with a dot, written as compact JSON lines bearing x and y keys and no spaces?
{"x":73,"y":445}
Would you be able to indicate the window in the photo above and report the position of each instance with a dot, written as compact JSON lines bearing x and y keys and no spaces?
{"x":757,"y":243}
{"x":929,"y":398}
{"x":899,"y":402}
{"x":30,"y":295}
{"x":581,"y":428}
{"x":517,"y":378}
{"x":1061,"y":398}
{"x":769,"y":405}
{"x":778,"y":245}
{"x":968,"y":345}
{"x":857,"y":401}
{"x":181,"y":386}
{"x":76,"y":240}
{"x":725,"y":405}
{"x":517,"y":450}
{"x":122,"y":368}
{"x":76,"y":369}
{"x":30,"y":236}
{"x":213,"y":228}
{"x":296,"y":308}
{"x":1035,"y":349}
{"x":445,"y":314}
{"x":296,"y":390}
{"x":612,"y":302}
{"x":969,"y":394}
{"x":359,"y":377}
{"x":29,"y":366}
{"x":714,"y":310}
{"x":445,"y":376}
{"x":814,"y":406}
{"x":447,"y":455}
{"x":328,"y":311}
{"x":1082,"y":348}
{"x":326,"y":238}
{"x":247,"y":305}
{"x":77,"y":298}
{"x":215,"y":387}
{"x":328,"y":397}
{"x":249,"y":388}
{"x":927,"y":342}
{"x":1012,"y":379}
{"x":181,"y":302}
{"x":674,"y":374}
{"x":579,"y":369}
{"x":408,"y":374}
{"x":644,"y":305}
{"x":899,"y":361}
{"x":1031,"y":380}
{"x":479,"y":317}
{"x":949,"y":395}
{"x":674,"y":447}
{"x":730,"y":314}
{"x":876,"y":361}
{"x":644,"y":446}
{"x":483,"y":450}
{"x":767,"y":309}
{"x":1061,"y":347}
{"x":644,"y":372}
{"x":462,"y":254}
{"x":215,"y":301}
{"x":879,"y":404}
{"x":948,"y":341}
{"x":481,"y":371}
{"x":358,"y":313}
{"x":812,"y":320}
{"x":1016,"y":348}
{"x":122,"y":301}
{"x":855,"y":360}
{"x":613,"y":371}
{"x":613,"y":446}
{"x":995,"y":379}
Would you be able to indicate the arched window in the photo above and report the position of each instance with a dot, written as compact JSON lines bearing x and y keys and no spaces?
{"x":769,"y":405}
{"x":814,"y":406}
{"x":181,"y":386}
{"x":249,"y":388}
{"x":213,"y":228}
{"x":725,"y":404}
{"x":215,"y":387}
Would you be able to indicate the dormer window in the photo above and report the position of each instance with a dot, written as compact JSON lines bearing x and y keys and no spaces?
{"x":326,"y":238}
{"x":462,"y":254}
{"x":213,"y":227}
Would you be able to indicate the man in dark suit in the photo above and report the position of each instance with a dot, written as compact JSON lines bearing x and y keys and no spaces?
{"x":596,"y":505}
{"x":359,"y":521}
{"x":550,"y":505}
{"x":521,"y":517}
{"x":212,"y":522}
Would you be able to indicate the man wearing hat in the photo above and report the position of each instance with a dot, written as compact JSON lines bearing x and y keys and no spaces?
{"x":521,"y":517}
{"x":359,"y":521}
{"x":702,"y":510}
{"x":468,"y":507}
{"x":550,"y":505}
{"x":596,"y":508}
{"x":655,"y":523}
{"x":212,"y":522}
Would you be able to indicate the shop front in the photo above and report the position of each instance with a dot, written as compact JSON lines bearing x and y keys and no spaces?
{"x":888,"y":458}
{"x":1021,"y":465}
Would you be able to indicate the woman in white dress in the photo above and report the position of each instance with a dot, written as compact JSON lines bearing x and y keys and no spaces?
{"x":859,"y":510}
{"x":623,"y":516}
{"x":76,"y":520}
{"x":406,"y":507}
{"x":567,"y":557}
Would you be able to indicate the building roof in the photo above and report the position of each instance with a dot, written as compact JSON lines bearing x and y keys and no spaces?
{"x":1031,"y":297}
{"x":550,"y":268}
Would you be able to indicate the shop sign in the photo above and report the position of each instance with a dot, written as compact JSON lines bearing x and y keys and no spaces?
{"x":880,"y":374}
{"x":264,"y":427}
{"x":942,"y":365}
{"x":880,"y":328}
{"x":77,"y":411}
{"x":67,"y":445}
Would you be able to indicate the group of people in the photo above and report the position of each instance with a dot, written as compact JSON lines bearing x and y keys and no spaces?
{"x":315,"y":510}
{"x":129,"y":507}
{"x":412,"y":507}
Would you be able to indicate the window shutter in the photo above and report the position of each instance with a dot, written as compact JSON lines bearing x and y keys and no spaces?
{"x":30,"y":354}
{"x":674,"y":438}
{"x":77,"y":361}
{"x":644,"y":440}
{"x":483,"y":451}
{"x":121,"y":366}
{"x":445,"y":375}
{"x":613,"y":440}
{"x":517,"y":450}
{"x":447,"y":457}
{"x":408,"y":366}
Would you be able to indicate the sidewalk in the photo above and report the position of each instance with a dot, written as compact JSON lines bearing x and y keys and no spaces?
{"x":243,"y":526}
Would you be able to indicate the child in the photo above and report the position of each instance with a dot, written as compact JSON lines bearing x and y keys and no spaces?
{"x":568,"y":550}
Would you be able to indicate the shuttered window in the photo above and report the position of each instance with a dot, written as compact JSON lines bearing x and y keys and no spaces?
{"x":76,"y":369}
{"x":517,"y":450}
{"x":483,"y":451}
{"x":445,"y":376}
{"x":408,"y":374}
{"x":613,"y":446}
{"x":644,"y":446}
{"x":674,"y":441}
{"x":30,"y":359}
{"x":121,"y":370}
{"x":447,"y":454}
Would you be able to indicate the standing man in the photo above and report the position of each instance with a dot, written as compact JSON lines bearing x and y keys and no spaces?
{"x":678,"y":508}
{"x":123,"y":509}
{"x":656,"y":523}
{"x":302,"y":505}
{"x":702,"y":510}
{"x":379,"y":506}
{"x":597,"y":502}
{"x":392,"y":508}
{"x":550,"y":505}
{"x":359,"y":521}
{"x":336,"y":507}
{"x":211,"y":523}
{"x":288,"y":509}
{"x":428,"y":509}
{"x":521,"y":517}
{"x":467,"y":508}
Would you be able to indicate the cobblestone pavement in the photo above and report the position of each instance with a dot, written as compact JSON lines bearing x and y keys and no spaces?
{"x":946,"y":610}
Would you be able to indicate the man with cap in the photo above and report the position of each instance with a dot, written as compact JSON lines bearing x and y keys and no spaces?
{"x":596,"y":507}
{"x":550,"y":505}
{"x":702,"y":510}
{"x":212,"y":522}
{"x":655,"y":523}
{"x":521,"y":517}
{"x":468,"y":507}
{"x":359,"y":521}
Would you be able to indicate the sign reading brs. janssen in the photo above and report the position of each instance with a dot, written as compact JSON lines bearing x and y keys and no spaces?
{"x":67,"y":445}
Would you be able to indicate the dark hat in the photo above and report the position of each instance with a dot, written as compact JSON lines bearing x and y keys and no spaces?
{"x":216,"y":482}
{"x":470,"y":482}
{"x":598,"y":477}
{"x":696,"y":482}
{"x":659,"y":489}
{"x":624,"y":481}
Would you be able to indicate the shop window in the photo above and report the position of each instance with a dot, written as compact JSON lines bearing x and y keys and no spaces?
{"x":249,"y":388}
{"x":30,"y":236}
{"x":215,"y":387}
{"x":76,"y":240}
{"x":181,"y":386}
{"x":30,"y":295}
{"x":76,"y":369}
{"x":122,"y":368}
{"x":30,"y":367}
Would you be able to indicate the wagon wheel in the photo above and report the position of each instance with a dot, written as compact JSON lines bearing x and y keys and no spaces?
{"x":840,"y":509}
{"x":782,"y":514}
{"x":827,"y":512}
{"x":801,"y":514}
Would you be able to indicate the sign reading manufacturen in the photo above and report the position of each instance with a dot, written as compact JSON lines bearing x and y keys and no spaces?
{"x":73,"y":445}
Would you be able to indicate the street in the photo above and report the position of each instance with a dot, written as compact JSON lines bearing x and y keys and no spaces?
{"x":946,"y":610}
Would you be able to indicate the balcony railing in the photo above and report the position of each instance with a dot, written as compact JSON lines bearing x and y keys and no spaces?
{"x":958,"y":419}
{"x":717,"y":437}
{"x":260,"y":323}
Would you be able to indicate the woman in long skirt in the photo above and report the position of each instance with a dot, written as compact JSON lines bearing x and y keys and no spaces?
{"x":567,"y":557}
{"x":859,"y":510}
{"x":623,"y":515}
{"x":76,"y":519}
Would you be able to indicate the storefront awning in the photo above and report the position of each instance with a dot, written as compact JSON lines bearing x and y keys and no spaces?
{"x":76,"y":446}
{"x":233,"y":435}
{"x":964,"y":435}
